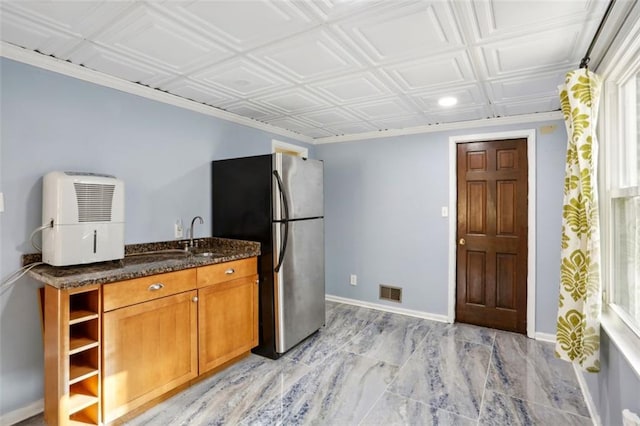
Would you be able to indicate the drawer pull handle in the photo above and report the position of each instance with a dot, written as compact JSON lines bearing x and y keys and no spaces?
{"x":156,"y":287}
{"x":229,"y":271}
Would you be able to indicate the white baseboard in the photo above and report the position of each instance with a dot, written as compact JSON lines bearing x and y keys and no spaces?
{"x":23,"y":413}
{"x":386,"y":308}
{"x":591,"y":406}
{"x":545,"y":337}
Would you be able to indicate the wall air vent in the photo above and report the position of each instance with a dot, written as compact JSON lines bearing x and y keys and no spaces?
{"x":388,"y":292}
{"x":94,"y":201}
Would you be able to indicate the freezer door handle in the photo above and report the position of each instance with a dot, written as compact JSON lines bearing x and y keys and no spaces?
{"x":284,"y":221}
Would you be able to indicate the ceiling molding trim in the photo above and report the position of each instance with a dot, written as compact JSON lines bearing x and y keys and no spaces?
{"x":50,"y":63}
{"x":460,"y":125}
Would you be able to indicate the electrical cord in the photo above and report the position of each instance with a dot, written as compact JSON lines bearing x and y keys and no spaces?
{"x":15,"y":276}
{"x":38,"y":229}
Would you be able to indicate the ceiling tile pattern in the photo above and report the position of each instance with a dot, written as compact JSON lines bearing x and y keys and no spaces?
{"x":323,"y":68}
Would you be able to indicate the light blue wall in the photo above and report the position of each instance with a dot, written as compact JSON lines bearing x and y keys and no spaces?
{"x":52,"y":122}
{"x":383,"y":200}
{"x":383,"y":219}
{"x":616,"y":386}
{"x":382,"y":216}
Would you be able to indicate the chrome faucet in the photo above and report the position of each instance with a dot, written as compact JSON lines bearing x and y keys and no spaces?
{"x":191,"y":230}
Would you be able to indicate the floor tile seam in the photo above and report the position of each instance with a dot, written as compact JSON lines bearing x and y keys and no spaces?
{"x":370,"y":358}
{"x":418,"y":345}
{"x":283,"y":389}
{"x":373,"y":405}
{"x":400,"y":367}
{"x":430,"y":405}
{"x":339,"y":348}
{"x":466,"y":340}
{"x":471,"y":341}
{"x":540,"y":404}
{"x":486,"y":380}
{"x":395,"y":378}
{"x":351,"y":340}
{"x":386,"y":389}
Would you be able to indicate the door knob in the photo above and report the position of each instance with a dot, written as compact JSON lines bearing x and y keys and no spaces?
{"x":462,"y":241}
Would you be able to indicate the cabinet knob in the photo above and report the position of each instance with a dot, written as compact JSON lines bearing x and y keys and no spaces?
{"x":156,"y":287}
{"x":229,"y":271}
{"x":257,"y":281}
{"x":195,"y":298}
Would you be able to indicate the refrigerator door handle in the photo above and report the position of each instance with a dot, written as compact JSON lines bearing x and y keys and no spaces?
{"x":285,"y":221}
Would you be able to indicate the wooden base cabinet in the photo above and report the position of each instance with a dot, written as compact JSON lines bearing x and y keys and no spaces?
{"x":113,"y":348}
{"x":227,"y":321}
{"x":149,"y":349}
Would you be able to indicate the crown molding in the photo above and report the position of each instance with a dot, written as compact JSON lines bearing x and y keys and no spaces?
{"x":50,"y":63}
{"x":460,"y":125}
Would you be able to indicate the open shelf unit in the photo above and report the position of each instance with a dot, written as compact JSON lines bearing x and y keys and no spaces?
{"x":72,"y":368}
{"x":84,"y":358}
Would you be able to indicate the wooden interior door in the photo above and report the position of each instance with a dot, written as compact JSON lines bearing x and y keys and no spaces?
{"x":491,"y":270}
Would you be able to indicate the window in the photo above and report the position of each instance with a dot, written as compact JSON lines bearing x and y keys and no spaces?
{"x":620,"y":186}
{"x":625,"y":206}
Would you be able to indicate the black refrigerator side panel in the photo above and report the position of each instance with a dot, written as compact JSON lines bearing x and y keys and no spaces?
{"x":241,"y":209}
{"x":241,"y":199}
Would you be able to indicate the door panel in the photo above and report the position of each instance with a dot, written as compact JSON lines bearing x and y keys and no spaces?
{"x":477,"y":207}
{"x":476,"y":279}
{"x":148,"y":349}
{"x":492,"y":234}
{"x":506,"y":275}
{"x":506,"y":213}
{"x":227,"y":321}
{"x":303,"y":183}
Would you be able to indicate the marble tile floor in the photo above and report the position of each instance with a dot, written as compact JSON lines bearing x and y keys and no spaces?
{"x":367,"y":367}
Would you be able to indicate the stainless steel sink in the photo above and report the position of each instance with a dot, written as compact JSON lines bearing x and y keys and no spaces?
{"x":207,"y":254}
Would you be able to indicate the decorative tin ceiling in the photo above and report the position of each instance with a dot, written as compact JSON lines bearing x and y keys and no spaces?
{"x":324,"y":67}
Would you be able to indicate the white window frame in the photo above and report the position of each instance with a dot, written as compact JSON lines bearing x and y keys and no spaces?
{"x":622,"y":63}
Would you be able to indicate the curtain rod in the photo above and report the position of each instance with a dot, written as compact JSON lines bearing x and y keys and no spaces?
{"x":585,"y":60}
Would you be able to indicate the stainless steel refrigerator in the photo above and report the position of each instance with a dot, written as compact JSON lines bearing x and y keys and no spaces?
{"x":277,"y":200}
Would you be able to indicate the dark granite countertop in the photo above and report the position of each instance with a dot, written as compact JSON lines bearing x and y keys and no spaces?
{"x":142,"y":260}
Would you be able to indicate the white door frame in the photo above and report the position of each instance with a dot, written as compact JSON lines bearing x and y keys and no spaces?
{"x":276,"y":144}
{"x":530,"y":135}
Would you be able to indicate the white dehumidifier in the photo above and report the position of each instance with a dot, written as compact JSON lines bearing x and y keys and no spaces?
{"x":86,"y":213}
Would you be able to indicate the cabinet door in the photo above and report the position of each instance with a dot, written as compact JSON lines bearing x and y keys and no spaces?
{"x":227,"y":321}
{"x":148,"y":349}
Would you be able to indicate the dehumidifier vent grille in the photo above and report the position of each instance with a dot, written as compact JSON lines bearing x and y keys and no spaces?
{"x":94,"y":201}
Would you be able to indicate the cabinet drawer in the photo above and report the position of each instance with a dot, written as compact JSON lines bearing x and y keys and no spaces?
{"x":226,"y":271}
{"x":130,"y":292}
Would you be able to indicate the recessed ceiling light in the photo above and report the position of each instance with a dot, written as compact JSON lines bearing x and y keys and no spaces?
{"x":447,"y":101}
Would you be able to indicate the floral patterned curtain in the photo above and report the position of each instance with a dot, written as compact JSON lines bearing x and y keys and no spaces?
{"x":578,"y":330}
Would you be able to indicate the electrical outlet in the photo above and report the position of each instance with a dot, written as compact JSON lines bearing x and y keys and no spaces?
{"x":178,"y":231}
{"x":353,"y":279}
